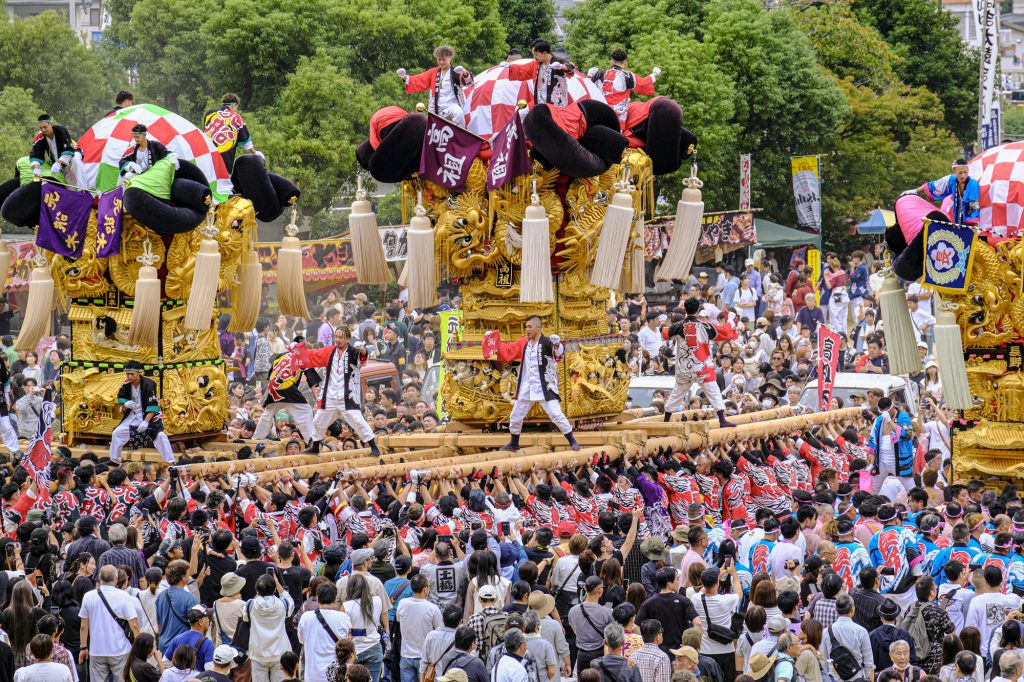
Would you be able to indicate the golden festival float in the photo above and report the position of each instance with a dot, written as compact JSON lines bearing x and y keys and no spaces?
{"x":549,"y":229}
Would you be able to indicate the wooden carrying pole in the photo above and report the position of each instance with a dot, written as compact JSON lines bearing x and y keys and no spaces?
{"x":542,"y":456}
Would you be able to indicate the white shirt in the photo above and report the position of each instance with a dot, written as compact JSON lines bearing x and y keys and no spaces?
{"x":782,"y":552}
{"x":925,"y":304}
{"x":746,"y":296}
{"x":336,"y":389}
{"x":445,"y":92}
{"x":891,"y":487}
{"x":418,"y":618}
{"x":531,"y":372}
{"x":650,"y":340}
{"x":509,"y":670}
{"x":922,"y":320}
{"x":355,"y":614}
{"x":43,"y":672}
{"x":988,"y":611}
{"x":720,"y":610}
{"x":105,"y":636}
{"x":318,"y":646}
{"x":938,"y":437}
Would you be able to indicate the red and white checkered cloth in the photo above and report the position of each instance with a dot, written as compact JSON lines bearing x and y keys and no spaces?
{"x":492,"y":98}
{"x":105,"y":143}
{"x":1000,"y":172}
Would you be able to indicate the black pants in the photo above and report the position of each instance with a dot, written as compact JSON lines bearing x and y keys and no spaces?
{"x":584,"y":658}
{"x":727,"y":662}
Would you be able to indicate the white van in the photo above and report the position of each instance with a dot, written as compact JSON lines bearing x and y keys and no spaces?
{"x":847,"y":383}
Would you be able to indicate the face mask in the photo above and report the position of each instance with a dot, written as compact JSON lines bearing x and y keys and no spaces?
{"x":766,"y":404}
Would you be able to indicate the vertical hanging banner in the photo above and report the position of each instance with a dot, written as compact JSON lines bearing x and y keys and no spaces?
{"x":510,"y":158}
{"x":986,"y":17}
{"x":814,"y":263}
{"x":807,"y":192}
{"x":63,"y":220}
{"x":828,"y":364}
{"x":744,"y":182}
{"x":109,"y":216}
{"x":448,"y":152}
{"x":451,"y":333}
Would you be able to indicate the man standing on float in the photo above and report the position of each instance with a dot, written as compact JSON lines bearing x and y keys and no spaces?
{"x":538,"y":357}
{"x":694,"y":362}
{"x":342,"y":392}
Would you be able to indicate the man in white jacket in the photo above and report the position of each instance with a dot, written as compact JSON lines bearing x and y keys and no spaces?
{"x":267,"y":636}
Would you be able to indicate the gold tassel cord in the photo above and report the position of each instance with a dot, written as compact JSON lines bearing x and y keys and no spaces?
{"x":900,"y":341}
{"x":248,"y":293}
{"x":420,"y":274}
{"x":367,"y":251}
{"x":203,"y":293}
{"x":38,"y":311}
{"x":949,"y":353}
{"x":144,"y":329}
{"x":611,"y":246}
{"x":683,"y":246}
{"x":632,"y":281}
{"x":535,"y":282}
{"x":291,"y":292}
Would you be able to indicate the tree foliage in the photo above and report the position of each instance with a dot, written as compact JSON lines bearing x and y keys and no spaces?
{"x":525,"y":20}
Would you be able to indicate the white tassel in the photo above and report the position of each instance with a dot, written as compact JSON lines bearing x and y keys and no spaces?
{"x":248,"y":293}
{"x":633,"y":274}
{"x":367,"y":251}
{"x":535,"y":280}
{"x":611,"y":247}
{"x":900,"y":341}
{"x":38,"y":311}
{"x":949,"y":353}
{"x":203,"y":293}
{"x":291,"y":285}
{"x":686,"y":234}
{"x":420,"y":263}
{"x":144,"y":329}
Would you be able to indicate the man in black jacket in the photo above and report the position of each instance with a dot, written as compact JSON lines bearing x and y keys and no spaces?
{"x":138,"y":400}
{"x":53,"y":145}
{"x":143,"y":154}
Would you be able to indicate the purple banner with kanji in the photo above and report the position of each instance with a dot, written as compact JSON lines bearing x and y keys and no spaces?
{"x":448,"y":152}
{"x":510,"y":158}
{"x":109,"y":214}
{"x":63,"y":220}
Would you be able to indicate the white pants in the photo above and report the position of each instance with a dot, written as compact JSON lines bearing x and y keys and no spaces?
{"x":121,"y":433}
{"x":681,"y":391}
{"x":9,"y":435}
{"x":837,"y":311}
{"x":354,"y":418}
{"x":454,"y":113}
{"x":301,"y":414}
{"x":886,"y":469}
{"x":521,"y":407}
{"x":267,"y":672}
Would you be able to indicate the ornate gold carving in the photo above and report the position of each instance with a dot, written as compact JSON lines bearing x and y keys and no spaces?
{"x":195,"y":399}
{"x":82,"y":276}
{"x":235,"y":221}
{"x":124,"y":268}
{"x":100,"y":334}
{"x":187,"y":345}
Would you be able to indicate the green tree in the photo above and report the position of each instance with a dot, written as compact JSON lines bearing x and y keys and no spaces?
{"x":525,"y":20}
{"x":785,"y":104}
{"x":927,"y":39}
{"x":44,"y":55}
{"x":1013,"y":122}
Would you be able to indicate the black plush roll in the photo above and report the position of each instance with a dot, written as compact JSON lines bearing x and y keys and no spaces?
{"x":251,"y":181}
{"x":189,"y":171}
{"x":364,"y":152}
{"x":191,"y":194}
{"x":397,"y":157}
{"x":7,"y":187}
{"x":598,"y":114}
{"x":287,"y":192}
{"x":909,"y":263}
{"x":560,"y":148}
{"x":607,"y":143}
{"x":159,"y":215}
{"x":21,"y":207}
{"x":664,"y":135}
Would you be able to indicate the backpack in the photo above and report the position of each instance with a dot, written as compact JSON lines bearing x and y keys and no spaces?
{"x":493,"y":628}
{"x":843,"y":660}
{"x":913,"y":623}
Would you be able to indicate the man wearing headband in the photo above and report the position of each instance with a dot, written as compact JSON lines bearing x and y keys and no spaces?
{"x":694,"y":362}
{"x":227,"y":129}
{"x":143,"y":154}
{"x":999,"y":556}
{"x":960,"y":552}
{"x":894,"y":551}
{"x":53,"y":145}
{"x":138,"y":400}
{"x":851,"y":557}
{"x":964,"y":189}
{"x":892,"y":441}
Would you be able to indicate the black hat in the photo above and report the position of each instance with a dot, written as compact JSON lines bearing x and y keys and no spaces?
{"x":139,"y":128}
{"x":889,"y":610}
{"x":813,"y":563}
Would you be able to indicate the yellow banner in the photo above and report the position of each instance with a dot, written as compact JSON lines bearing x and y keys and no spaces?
{"x":805,"y":164}
{"x":814,"y":263}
